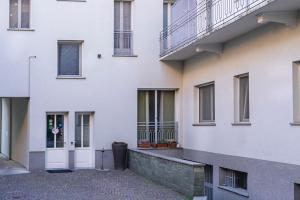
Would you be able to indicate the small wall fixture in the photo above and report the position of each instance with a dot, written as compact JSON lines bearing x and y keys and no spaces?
{"x":99,"y":56}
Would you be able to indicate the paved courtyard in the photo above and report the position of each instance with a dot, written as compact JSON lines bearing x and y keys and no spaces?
{"x":83,"y":184}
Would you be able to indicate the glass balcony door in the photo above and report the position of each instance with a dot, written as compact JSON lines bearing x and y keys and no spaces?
{"x":156,"y":116}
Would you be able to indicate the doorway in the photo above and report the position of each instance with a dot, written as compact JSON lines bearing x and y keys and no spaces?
{"x":156,"y":117}
{"x":84,"y":152}
{"x":57,"y":137}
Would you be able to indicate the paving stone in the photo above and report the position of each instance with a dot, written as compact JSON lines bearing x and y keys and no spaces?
{"x":83,"y":184}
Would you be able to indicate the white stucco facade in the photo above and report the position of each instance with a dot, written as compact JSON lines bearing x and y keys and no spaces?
{"x":267,"y":55}
{"x":108,"y":86}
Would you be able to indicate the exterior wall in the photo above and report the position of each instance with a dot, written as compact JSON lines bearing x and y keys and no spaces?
{"x":5,"y":127}
{"x":267,"y":54}
{"x":110,"y":84}
{"x":19,"y":131}
{"x":183,"y":176}
{"x":266,"y":180}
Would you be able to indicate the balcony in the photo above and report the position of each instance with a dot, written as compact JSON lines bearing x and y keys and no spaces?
{"x":157,"y":135}
{"x":207,"y":25}
{"x":123,"y":43}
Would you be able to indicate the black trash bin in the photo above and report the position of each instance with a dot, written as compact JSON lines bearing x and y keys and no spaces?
{"x":120,"y":155}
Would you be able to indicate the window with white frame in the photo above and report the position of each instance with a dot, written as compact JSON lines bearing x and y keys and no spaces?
{"x":19,"y":14}
{"x":242,"y":111}
{"x":82,"y":130}
{"x":69,"y":58}
{"x":233,"y":179}
{"x":123,"y":35}
{"x":207,"y":102}
{"x":296,"y":92}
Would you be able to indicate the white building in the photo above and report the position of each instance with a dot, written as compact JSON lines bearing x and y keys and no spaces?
{"x":77,"y":75}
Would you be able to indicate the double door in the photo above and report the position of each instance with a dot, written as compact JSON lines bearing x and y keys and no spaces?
{"x":58,"y":144}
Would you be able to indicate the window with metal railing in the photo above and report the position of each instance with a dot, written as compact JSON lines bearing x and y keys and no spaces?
{"x":123,"y":35}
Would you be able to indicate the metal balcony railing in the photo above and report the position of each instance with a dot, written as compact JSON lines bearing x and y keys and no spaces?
{"x":203,"y":19}
{"x":123,"y":41}
{"x":159,"y":133}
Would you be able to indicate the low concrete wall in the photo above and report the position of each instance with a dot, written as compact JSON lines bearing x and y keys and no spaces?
{"x":183,"y":176}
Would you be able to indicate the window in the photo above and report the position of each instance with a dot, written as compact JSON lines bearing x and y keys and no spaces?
{"x":242,"y":113}
{"x":233,"y":179}
{"x":122,"y":28}
{"x":207,"y":102}
{"x":69,"y":58}
{"x":296,"y":92}
{"x":55,"y":130}
{"x":156,"y":117}
{"x":208,"y":183}
{"x":19,"y":14}
{"x":82,"y":130}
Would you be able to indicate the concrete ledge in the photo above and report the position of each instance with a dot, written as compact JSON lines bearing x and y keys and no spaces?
{"x":184,"y":176}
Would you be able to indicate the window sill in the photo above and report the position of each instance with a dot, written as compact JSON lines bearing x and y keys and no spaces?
{"x":70,"y":77}
{"x":21,"y":29}
{"x":205,"y":124}
{"x":241,"y":124}
{"x":130,"y":56}
{"x":240,"y":192}
{"x":295,"y":123}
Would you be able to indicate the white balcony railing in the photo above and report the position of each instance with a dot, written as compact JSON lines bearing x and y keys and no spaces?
{"x":159,"y":133}
{"x":123,"y":41}
{"x":203,"y":18}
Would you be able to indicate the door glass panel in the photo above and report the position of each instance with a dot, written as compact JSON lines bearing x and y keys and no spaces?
{"x":159,"y":105}
{"x":152,"y":106}
{"x":168,"y":106}
{"x":60,"y":128}
{"x":142,"y":106}
{"x":50,"y":135}
{"x":78,"y":130}
{"x":86,"y":131}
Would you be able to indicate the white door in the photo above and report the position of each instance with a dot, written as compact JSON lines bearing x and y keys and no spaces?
{"x":57,"y":136}
{"x":84,"y":152}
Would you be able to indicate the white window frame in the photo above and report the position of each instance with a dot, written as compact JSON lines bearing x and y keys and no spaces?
{"x":20,"y":16}
{"x":197,"y":115}
{"x":81,"y":114}
{"x":121,"y":51}
{"x":296,"y":93}
{"x":238,"y":119}
{"x":55,"y":114}
{"x":228,"y":178}
{"x":80,"y":43}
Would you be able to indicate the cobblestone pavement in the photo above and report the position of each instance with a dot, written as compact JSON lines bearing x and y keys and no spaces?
{"x":83,"y":184}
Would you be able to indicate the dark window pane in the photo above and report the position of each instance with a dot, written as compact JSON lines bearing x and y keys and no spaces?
{"x":240,"y":180}
{"x":50,"y":135}
{"x":207,"y":103}
{"x":60,"y":134}
{"x":244,"y":98}
{"x":13,"y":14}
{"x":78,"y":130}
{"x":25,"y":14}
{"x":151,"y":106}
{"x":126,"y":16}
{"x":117,"y":15}
{"x":86,"y":131}
{"x":208,"y":171}
{"x":68,"y":59}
